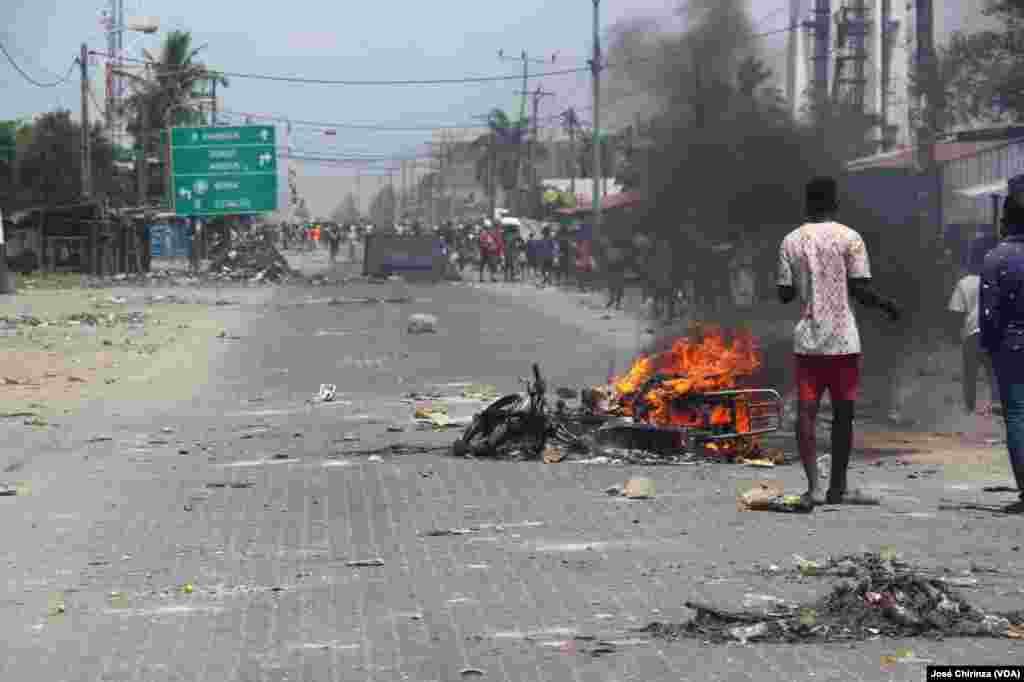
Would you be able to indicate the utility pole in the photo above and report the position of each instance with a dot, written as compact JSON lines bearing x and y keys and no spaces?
{"x":83,"y":62}
{"x":927,"y":70}
{"x":536,"y":96}
{"x":520,"y":168}
{"x":213,"y":111}
{"x":142,"y":160}
{"x":569,"y":115}
{"x":595,"y":68}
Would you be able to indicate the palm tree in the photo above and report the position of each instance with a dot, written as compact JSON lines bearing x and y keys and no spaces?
{"x":497,"y":154}
{"x":166,"y":95}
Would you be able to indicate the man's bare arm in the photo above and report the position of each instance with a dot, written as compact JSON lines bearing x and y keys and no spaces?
{"x":862,"y":292}
{"x":786,"y":294}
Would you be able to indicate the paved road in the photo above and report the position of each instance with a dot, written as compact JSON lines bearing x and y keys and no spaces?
{"x":163,"y":578}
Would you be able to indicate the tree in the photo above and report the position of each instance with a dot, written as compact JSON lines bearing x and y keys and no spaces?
{"x":498,"y":149}
{"x":166,"y":94}
{"x":382,"y":208}
{"x":347,"y":211}
{"x":49,"y":160}
{"x":979,"y":77}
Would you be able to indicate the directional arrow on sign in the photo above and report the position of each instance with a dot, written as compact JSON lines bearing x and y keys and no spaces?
{"x":185,"y":193}
{"x":265,"y":158}
{"x":264,"y":135}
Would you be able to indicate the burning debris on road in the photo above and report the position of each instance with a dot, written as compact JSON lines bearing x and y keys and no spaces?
{"x":683,"y":401}
{"x":884,"y":597}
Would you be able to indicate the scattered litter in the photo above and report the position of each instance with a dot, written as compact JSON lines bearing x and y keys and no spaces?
{"x":903,"y":656}
{"x":1000,"y":489}
{"x":425,"y":411}
{"x":808,"y":567}
{"x":362,"y":563}
{"x":553,"y":455}
{"x":394,"y":428}
{"x":638,"y":489}
{"x":327,"y":393}
{"x":762,"y":463}
{"x":889,"y":599}
{"x":249,"y":258}
{"x":770,"y":497}
{"x":99,"y":439}
{"x":422,"y":324}
{"x":744,"y":633}
{"x":448,"y":532}
{"x":970,"y":506}
{"x":374,"y":458}
{"x":472,"y":672}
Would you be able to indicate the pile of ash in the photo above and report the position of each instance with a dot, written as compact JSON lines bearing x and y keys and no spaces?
{"x":885,"y":598}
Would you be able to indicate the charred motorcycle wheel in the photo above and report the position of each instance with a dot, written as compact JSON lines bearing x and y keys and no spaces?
{"x":477,"y":437}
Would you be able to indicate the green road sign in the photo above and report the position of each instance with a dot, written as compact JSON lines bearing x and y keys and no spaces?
{"x":214,"y":160}
{"x":217,"y":171}
{"x":223,"y":137}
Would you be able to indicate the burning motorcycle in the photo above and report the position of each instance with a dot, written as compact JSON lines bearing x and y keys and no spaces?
{"x":519,"y":422}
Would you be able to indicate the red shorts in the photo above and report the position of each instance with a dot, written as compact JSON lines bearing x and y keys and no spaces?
{"x":839,"y":374}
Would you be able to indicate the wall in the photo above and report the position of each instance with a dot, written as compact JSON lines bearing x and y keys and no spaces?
{"x":989,"y":166}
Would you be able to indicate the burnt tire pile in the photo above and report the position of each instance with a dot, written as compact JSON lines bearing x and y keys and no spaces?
{"x":882,"y":598}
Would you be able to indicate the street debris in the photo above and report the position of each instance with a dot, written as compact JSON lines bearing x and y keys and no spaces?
{"x":971,"y":506}
{"x":364,"y":563}
{"x":771,"y":497}
{"x":421,"y":323}
{"x":342,"y":300}
{"x":449,"y":532}
{"x":472,"y":672}
{"x":553,"y":454}
{"x":327,"y":393}
{"x":886,"y":598}
{"x":638,"y":489}
{"x":249,"y":258}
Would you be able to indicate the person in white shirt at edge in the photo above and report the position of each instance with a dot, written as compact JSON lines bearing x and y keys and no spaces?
{"x":964,"y":305}
{"x":825,"y":263}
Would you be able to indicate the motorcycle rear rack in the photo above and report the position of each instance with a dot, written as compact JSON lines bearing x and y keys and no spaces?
{"x":764,"y":407}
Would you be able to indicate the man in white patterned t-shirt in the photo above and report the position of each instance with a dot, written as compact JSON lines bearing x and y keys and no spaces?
{"x":826,"y":264}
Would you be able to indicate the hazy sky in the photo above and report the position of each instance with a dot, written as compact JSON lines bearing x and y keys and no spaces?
{"x":384,"y":40}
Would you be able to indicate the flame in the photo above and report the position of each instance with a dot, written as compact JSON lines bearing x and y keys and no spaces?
{"x":708,"y":362}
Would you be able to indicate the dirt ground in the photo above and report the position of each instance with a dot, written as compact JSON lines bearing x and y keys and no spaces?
{"x":145,"y":340}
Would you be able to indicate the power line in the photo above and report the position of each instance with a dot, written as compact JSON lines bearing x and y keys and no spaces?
{"x":351,"y":126}
{"x":324,"y":81}
{"x":29,"y":78}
